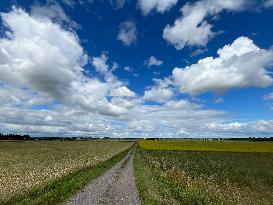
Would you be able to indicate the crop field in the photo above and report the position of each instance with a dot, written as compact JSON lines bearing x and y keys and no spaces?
{"x":25,"y":165}
{"x":202,"y":172}
{"x":202,"y":145}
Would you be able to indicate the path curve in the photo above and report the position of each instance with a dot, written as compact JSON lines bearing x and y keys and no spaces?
{"x":116,"y":186}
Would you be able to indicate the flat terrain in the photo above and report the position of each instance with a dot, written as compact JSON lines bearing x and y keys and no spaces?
{"x":224,"y":172}
{"x":165,"y":171}
{"x":116,"y":186}
{"x":25,"y":165}
{"x":203,"y":145}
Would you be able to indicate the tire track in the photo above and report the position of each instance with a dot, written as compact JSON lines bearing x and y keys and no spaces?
{"x":116,"y":186}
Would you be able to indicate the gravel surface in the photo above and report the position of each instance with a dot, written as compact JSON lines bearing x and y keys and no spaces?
{"x":116,"y":186}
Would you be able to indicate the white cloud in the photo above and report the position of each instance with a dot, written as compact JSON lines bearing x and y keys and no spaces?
{"x":53,"y":11}
{"x":192,"y":28}
{"x":122,"y":91}
{"x":167,"y":119}
{"x":239,"y":65}
{"x":128,"y":69}
{"x":101,"y":66}
{"x":158,"y":94}
{"x":198,"y":52}
{"x":116,"y":4}
{"x":268,"y":96}
{"x":259,"y":128}
{"x":161,"y":92}
{"x":125,"y":102}
{"x":159,"y":5}
{"x":43,"y":90}
{"x":45,"y":58}
{"x":115,"y":66}
{"x":16,"y":96}
{"x":153,"y":61}
{"x":135,"y":74}
{"x":127,"y":33}
{"x":100,"y":63}
{"x":268,"y":3}
{"x":71,"y":3}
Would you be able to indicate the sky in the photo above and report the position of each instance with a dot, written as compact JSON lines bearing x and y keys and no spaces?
{"x":137,"y":68}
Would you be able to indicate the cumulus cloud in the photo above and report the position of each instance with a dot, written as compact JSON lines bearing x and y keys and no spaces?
{"x":122,"y":91}
{"x":158,"y":94}
{"x":153,"y":61}
{"x":167,"y":119}
{"x":161,"y":92}
{"x":238,"y":65}
{"x":259,"y":128}
{"x":192,"y":28}
{"x":158,"y":5}
{"x":101,"y":66}
{"x":60,"y":121}
{"x":66,"y":120}
{"x":44,"y":91}
{"x":22,"y":97}
{"x":32,"y":57}
{"x":127,"y":33}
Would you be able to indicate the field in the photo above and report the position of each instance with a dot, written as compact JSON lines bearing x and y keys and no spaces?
{"x":205,"y":172}
{"x":30,"y":165}
{"x":200,"y":145}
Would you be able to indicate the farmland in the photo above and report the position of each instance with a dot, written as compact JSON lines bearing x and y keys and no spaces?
{"x":200,"y":145}
{"x":202,"y":172}
{"x":27,"y":165}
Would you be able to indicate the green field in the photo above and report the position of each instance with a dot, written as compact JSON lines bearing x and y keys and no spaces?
{"x":51,"y":171}
{"x":205,"y":172}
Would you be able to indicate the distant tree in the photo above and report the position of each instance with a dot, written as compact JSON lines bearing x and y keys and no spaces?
{"x":14,"y":137}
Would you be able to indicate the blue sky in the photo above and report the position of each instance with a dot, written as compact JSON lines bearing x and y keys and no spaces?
{"x":135,"y":68}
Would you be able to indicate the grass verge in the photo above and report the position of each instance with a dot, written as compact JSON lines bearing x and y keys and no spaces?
{"x":60,"y":190}
{"x":150,"y":188}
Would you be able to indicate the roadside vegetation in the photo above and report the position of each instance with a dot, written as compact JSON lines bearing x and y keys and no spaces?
{"x":226,"y":177}
{"x":48,"y":172}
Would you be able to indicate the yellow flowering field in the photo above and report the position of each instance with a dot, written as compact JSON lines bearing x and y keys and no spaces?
{"x":204,"y":145}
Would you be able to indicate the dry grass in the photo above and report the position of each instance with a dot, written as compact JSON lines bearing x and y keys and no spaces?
{"x":27,"y":164}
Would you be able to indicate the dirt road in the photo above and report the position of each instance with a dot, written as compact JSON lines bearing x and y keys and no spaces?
{"x":116,"y":186}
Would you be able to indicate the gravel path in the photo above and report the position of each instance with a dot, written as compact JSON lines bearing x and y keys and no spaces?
{"x":116,"y":186}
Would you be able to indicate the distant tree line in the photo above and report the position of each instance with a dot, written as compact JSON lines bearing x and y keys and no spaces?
{"x":14,"y":137}
{"x":261,"y":139}
{"x":27,"y":137}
